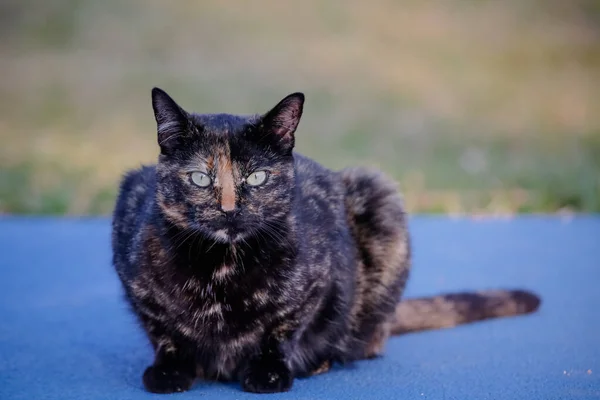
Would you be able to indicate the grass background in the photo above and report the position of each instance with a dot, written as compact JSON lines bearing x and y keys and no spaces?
{"x":474,"y":106}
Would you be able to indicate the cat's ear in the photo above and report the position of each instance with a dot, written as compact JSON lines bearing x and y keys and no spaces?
{"x":281,"y":122}
{"x":172,"y":122}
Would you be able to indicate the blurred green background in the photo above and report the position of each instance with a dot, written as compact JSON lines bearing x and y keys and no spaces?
{"x":474,"y":106}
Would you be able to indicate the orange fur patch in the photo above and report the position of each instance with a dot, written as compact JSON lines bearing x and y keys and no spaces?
{"x":225,"y":177}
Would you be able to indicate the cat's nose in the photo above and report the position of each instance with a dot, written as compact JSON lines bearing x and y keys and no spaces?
{"x":230,"y":212}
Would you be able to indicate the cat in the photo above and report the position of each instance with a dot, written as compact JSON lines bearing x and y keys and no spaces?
{"x":244,"y":260}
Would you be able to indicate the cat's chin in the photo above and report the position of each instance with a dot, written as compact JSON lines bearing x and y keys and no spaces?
{"x":221,"y":236}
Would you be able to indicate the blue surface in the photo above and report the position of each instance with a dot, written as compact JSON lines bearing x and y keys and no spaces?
{"x":65,"y":332}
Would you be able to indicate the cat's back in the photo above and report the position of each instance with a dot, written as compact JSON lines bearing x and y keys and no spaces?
{"x":325,"y":237}
{"x":133,"y":207}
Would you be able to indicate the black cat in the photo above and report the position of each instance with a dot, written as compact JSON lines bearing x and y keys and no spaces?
{"x":244,"y":260}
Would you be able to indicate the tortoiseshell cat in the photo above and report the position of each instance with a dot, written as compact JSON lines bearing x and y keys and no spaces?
{"x":245,"y":260}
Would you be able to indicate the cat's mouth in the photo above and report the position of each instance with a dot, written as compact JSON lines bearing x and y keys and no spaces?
{"x":228,"y":234}
{"x":233,"y":231}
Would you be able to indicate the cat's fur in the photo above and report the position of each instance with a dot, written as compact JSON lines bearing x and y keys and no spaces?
{"x":266,"y":283}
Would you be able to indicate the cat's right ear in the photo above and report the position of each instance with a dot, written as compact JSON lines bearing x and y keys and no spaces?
{"x":172,"y":121}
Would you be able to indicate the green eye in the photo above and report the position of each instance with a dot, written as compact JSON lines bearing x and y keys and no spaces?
{"x":200,"y":179}
{"x":256,"y":178}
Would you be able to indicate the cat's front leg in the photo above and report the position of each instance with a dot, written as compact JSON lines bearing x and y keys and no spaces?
{"x":267,"y":371}
{"x":171,"y":372}
{"x":174,"y":367}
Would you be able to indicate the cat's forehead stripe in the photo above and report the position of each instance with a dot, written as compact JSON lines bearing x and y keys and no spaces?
{"x":225,"y":179}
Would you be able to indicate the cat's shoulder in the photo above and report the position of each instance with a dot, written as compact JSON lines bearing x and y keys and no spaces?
{"x":306,"y":167}
{"x":138,"y":178}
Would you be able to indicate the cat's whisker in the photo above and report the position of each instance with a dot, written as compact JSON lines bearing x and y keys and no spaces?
{"x":276,"y":232}
{"x":185,"y":238}
{"x":214,"y":242}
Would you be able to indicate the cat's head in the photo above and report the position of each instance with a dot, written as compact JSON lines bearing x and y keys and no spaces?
{"x":226,"y":176}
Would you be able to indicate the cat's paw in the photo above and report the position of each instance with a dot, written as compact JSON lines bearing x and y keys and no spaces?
{"x":160,"y":379}
{"x":268,"y":378}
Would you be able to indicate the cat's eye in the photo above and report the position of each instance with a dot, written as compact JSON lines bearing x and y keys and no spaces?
{"x":256,"y":178}
{"x":200,"y":179}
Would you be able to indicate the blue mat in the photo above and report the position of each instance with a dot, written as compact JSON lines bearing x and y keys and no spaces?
{"x":65,"y":332}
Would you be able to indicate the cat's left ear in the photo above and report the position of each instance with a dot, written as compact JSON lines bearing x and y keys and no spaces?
{"x":281,"y":122}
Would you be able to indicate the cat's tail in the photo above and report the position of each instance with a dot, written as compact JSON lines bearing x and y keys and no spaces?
{"x":453,"y":309}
